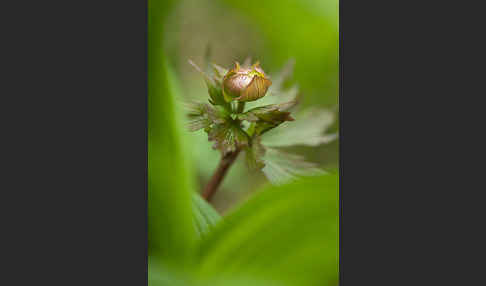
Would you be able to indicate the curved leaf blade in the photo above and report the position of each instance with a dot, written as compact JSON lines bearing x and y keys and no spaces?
{"x":171,"y":235}
{"x":308,"y":129}
{"x":287,"y":234}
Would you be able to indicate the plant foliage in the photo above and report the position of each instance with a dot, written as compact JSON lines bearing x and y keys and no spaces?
{"x":284,"y":235}
{"x":253,"y":130}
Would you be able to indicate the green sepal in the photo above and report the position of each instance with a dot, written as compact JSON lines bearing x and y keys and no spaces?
{"x":214,"y":88}
{"x":219,"y":72}
{"x":227,"y":98}
{"x":216,"y":94}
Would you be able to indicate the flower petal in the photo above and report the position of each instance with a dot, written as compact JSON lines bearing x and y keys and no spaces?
{"x":256,"y":89}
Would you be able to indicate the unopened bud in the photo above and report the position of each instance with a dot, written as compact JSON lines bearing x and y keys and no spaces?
{"x":245,"y":84}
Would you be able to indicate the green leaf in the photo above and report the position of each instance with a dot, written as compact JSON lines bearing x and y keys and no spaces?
{"x":286,"y":234}
{"x":158,"y":276}
{"x":228,"y":136}
{"x":171,"y":235}
{"x":267,"y":117}
{"x":198,"y":116}
{"x":202,"y":115}
{"x":161,"y":274}
{"x":254,"y":154}
{"x":205,"y":216}
{"x":282,"y":167}
{"x":214,"y":89}
{"x":270,"y":113}
{"x":235,"y":280}
{"x":282,"y":76}
{"x":308,"y":129}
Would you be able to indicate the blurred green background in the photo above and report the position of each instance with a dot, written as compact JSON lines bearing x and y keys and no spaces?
{"x":280,"y":235}
{"x":269,"y":31}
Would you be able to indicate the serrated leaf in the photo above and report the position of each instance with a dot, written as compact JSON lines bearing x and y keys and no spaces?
{"x":202,"y":115}
{"x":282,"y":167}
{"x":228,"y":136}
{"x":284,"y":74}
{"x":308,"y":129}
{"x":254,"y":155}
{"x":205,"y":216}
{"x":197,"y":117}
{"x":267,"y":117}
{"x":286,"y":234}
{"x":269,"y":113}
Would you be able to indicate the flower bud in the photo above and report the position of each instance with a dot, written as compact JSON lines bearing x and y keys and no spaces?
{"x":245,"y":84}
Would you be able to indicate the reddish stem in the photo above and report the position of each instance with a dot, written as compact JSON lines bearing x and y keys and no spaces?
{"x":218,"y":176}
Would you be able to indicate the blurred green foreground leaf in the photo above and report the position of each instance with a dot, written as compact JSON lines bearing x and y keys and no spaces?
{"x":287,"y":234}
{"x":171,"y":234}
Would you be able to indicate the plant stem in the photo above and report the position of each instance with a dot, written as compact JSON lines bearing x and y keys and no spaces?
{"x":218,"y":176}
{"x":241,"y":107}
